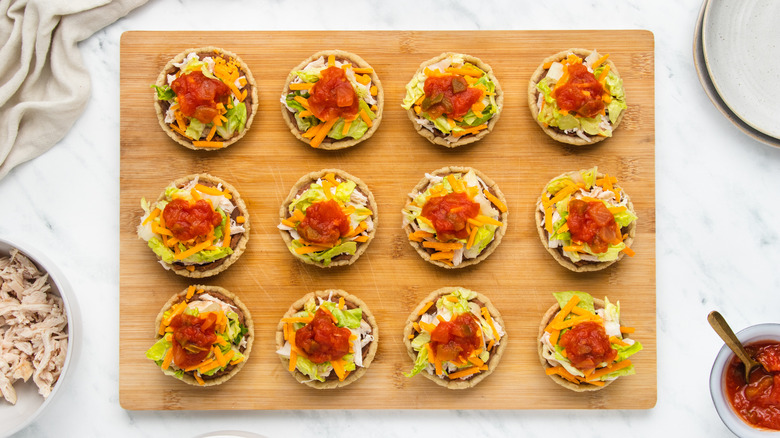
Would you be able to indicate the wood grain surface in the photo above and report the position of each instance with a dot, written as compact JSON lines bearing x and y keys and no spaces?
{"x":390,"y":277}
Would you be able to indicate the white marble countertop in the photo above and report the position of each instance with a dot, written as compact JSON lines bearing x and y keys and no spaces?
{"x":717,"y":229}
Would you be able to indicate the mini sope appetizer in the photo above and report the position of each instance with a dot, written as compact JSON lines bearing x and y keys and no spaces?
{"x":577,"y":96}
{"x":204,"y":336}
{"x":329,"y":218}
{"x":585,"y":220}
{"x":327,"y":339}
{"x":206,"y":98}
{"x":453,"y":99}
{"x":333,"y":100}
{"x":198,"y":227}
{"x":455,"y":337}
{"x":455,"y":217}
{"x":582,"y":344}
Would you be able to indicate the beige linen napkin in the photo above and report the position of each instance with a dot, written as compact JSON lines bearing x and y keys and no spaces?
{"x":44,"y":85}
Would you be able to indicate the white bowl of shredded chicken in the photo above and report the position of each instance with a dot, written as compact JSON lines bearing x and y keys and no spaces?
{"x":36,"y":334}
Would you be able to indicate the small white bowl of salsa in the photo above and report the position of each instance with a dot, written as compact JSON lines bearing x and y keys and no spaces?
{"x":749,"y":409}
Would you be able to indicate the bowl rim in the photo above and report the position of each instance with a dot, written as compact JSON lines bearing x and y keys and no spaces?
{"x":70,"y":305}
{"x":735,"y":423}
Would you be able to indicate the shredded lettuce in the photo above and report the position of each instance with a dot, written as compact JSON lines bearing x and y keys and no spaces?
{"x":414,"y":91}
{"x":627,"y":371}
{"x":326,"y":256}
{"x":162,"y":251}
{"x":292,"y":103}
{"x":310,"y":368}
{"x":591,"y":126}
{"x":157,"y":351}
{"x":304,"y":123}
{"x":615,"y":108}
{"x":236,"y":120}
{"x":313,"y":194}
{"x":420,"y":363}
{"x":612,"y":253}
{"x":349,"y":318}
{"x":624,"y":352}
{"x":308,"y":76}
{"x":349,"y":364}
{"x":420,"y":340}
{"x":624,"y":218}
{"x":589,"y":177}
{"x":484,"y":236}
{"x":361,"y":213}
{"x":461,"y":305}
{"x":565,"y":362}
{"x":219,"y":230}
{"x":585,"y":303}
{"x":440,"y":123}
{"x":195,"y":128}
{"x":344,"y":191}
{"x":164,"y":93}
{"x":208,"y":256}
{"x":310,"y":306}
{"x":557,"y":184}
{"x":357,"y":128}
{"x":235,"y":330}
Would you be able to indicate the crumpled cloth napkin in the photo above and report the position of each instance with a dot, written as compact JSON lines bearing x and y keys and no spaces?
{"x":44,"y":85}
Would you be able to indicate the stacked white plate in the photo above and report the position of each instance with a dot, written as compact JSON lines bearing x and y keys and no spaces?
{"x":736,"y":50}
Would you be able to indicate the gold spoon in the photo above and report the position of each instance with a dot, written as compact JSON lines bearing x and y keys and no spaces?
{"x":723,"y":330}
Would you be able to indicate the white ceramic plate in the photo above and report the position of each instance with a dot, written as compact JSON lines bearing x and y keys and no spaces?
{"x":742,"y":51}
{"x":712,"y":92}
{"x":30,"y":404}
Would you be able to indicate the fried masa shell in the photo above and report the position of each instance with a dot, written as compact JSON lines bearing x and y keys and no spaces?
{"x":301,"y":186}
{"x":369,"y":352}
{"x":546,"y":319}
{"x":557,"y":253}
{"x":229,"y":298}
{"x":425,"y":253}
{"x":330,"y":143}
{"x":495,"y":356}
{"x":533,"y":97}
{"x":237,"y":241}
{"x":438,"y":137}
{"x":251,"y":100}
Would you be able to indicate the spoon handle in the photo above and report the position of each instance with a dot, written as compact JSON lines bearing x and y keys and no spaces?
{"x":723,"y":330}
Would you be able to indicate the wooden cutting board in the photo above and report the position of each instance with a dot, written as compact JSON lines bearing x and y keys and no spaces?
{"x":390,"y":277}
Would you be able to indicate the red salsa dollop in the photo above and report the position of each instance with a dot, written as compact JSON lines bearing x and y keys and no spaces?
{"x":333,"y":96}
{"x":189,"y":220}
{"x":594,"y":224}
{"x":321,"y":339}
{"x":449,"y":214}
{"x":193,"y":337}
{"x":582,"y":93}
{"x":324,"y":223}
{"x":757,"y":401}
{"x":456,"y":339}
{"x":198,"y":95}
{"x":450,"y":95}
{"x":587,"y":345}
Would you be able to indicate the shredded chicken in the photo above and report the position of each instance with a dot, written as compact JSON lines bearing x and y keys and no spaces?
{"x":33,"y":327}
